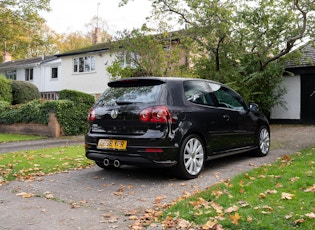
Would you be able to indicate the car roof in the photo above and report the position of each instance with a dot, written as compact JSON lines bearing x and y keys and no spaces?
{"x":161,"y":79}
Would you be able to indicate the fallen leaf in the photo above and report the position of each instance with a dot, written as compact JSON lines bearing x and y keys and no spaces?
{"x":159,"y":199}
{"x":235,"y":218}
{"x":234,"y":208}
{"x":310,"y":189}
{"x":287,"y":196}
{"x":271,"y":191}
{"x":294,"y":179}
{"x":25,"y":195}
{"x":310,"y":215}
{"x":216,"y":207}
{"x":210,"y":225}
{"x":288,"y":216}
{"x":299,"y":221}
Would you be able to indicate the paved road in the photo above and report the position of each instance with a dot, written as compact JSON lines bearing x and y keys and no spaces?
{"x":38,"y":144}
{"x":98,"y":199}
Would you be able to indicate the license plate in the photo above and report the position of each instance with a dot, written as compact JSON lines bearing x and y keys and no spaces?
{"x":112,"y":144}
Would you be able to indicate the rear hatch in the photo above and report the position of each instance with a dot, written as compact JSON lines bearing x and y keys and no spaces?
{"x":123,"y":108}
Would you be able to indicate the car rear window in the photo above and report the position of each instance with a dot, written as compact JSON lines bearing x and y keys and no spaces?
{"x":131,"y":91}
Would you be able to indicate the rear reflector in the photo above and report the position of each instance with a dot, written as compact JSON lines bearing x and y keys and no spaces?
{"x":152,"y":150}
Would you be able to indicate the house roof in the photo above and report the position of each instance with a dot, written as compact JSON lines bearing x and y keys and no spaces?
{"x":94,"y":48}
{"x":27,"y":62}
{"x":306,"y":58}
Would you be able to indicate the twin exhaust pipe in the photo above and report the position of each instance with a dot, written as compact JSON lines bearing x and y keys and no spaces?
{"x":116,"y":163}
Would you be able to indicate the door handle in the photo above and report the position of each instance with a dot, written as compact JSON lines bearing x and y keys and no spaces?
{"x":226,"y":117}
{"x":312,"y":93}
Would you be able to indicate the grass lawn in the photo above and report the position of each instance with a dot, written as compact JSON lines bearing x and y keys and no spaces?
{"x":32,"y":163}
{"x":18,"y":137}
{"x":275,"y":196}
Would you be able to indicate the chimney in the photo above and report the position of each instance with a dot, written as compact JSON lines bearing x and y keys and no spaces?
{"x":7,"y":57}
{"x":96,"y":36}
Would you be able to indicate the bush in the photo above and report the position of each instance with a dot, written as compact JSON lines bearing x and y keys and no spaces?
{"x":6,"y":90}
{"x":71,"y":113}
{"x":23,"y":92}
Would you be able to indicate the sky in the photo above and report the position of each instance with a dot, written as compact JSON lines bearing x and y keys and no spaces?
{"x":72,"y":15}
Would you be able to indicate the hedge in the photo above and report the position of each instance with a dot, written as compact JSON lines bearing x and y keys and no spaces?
{"x":71,"y":114}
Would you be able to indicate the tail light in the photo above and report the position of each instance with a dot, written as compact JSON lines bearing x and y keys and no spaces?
{"x":91,"y":116}
{"x":157,"y":114}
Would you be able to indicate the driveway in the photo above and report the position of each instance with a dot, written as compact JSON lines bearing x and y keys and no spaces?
{"x":107,"y":199}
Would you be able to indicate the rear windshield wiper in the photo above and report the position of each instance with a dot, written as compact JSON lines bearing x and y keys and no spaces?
{"x":124,"y":102}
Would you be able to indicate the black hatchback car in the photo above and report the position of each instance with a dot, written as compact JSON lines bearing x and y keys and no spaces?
{"x":178,"y":122}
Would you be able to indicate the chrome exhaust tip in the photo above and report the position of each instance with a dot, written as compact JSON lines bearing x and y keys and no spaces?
{"x":106,"y":162}
{"x":117,"y":163}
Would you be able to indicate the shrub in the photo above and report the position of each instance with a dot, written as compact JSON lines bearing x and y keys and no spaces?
{"x":6,"y":90}
{"x":71,"y":114}
{"x":23,"y":92}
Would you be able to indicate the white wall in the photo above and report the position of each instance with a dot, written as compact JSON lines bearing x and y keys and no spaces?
{"x":49,"y":84}
{"x":89,"y":82}
{"x":292,"y":99}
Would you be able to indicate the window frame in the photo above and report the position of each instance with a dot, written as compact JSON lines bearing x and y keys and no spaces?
{"x":54,"y":74}
{"x":11,"y":74}
{"x":84,"y":64}
{"x":29,"y":74}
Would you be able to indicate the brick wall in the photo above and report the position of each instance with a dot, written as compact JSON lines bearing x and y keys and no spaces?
{"x":52,"y":129}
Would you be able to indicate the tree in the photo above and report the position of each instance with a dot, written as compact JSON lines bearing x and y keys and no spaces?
{"x":242,"y":43}
{"x":20,"y":25}
{"x":142,"y":54}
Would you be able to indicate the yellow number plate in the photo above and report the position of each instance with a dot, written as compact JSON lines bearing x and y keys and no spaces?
{"x":112,"y":144}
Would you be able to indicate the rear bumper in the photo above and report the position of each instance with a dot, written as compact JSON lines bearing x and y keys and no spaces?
{"x":130,"y":159}
{"x":147,"y":152}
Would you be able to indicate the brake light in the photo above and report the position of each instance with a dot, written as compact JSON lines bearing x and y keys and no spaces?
{"x":91,"y":116}
{"x":157,"y":114}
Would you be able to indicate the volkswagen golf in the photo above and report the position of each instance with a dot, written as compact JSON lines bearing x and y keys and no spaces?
{"x":172,"y":122}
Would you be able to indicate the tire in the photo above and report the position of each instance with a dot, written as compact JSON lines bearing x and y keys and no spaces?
{"x":101,"y":165}
{"x":263,"y":142}
{"x":191,"y":158}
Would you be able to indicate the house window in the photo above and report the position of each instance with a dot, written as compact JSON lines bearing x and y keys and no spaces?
{"x":28,"y":74}
{"x":11,"y":74}
{"x":84,"y":64}
{"x":54,"y":73}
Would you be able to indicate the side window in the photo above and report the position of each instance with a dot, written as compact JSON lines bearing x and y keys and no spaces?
{"x":198,"y":92}
{"x":227,"y":98}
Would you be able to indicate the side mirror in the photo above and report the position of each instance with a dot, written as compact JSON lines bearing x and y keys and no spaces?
{"x":253,"y":107}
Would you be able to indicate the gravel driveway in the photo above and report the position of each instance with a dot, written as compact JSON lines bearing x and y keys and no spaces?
{"x":104,"y":199}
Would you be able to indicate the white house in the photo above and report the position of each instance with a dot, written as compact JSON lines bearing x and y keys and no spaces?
{"x":42,"y":71}
{"x":85,"y":70}
{"x":82,"y":70}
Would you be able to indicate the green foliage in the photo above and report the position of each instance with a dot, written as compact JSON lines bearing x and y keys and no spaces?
{"x":23,"y":92}
{"x":6,"y":90}
{"x":73,"y":117}
{"x":21,"y":27}
{"x":140,"y":54}
{"x":71,"y":113}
